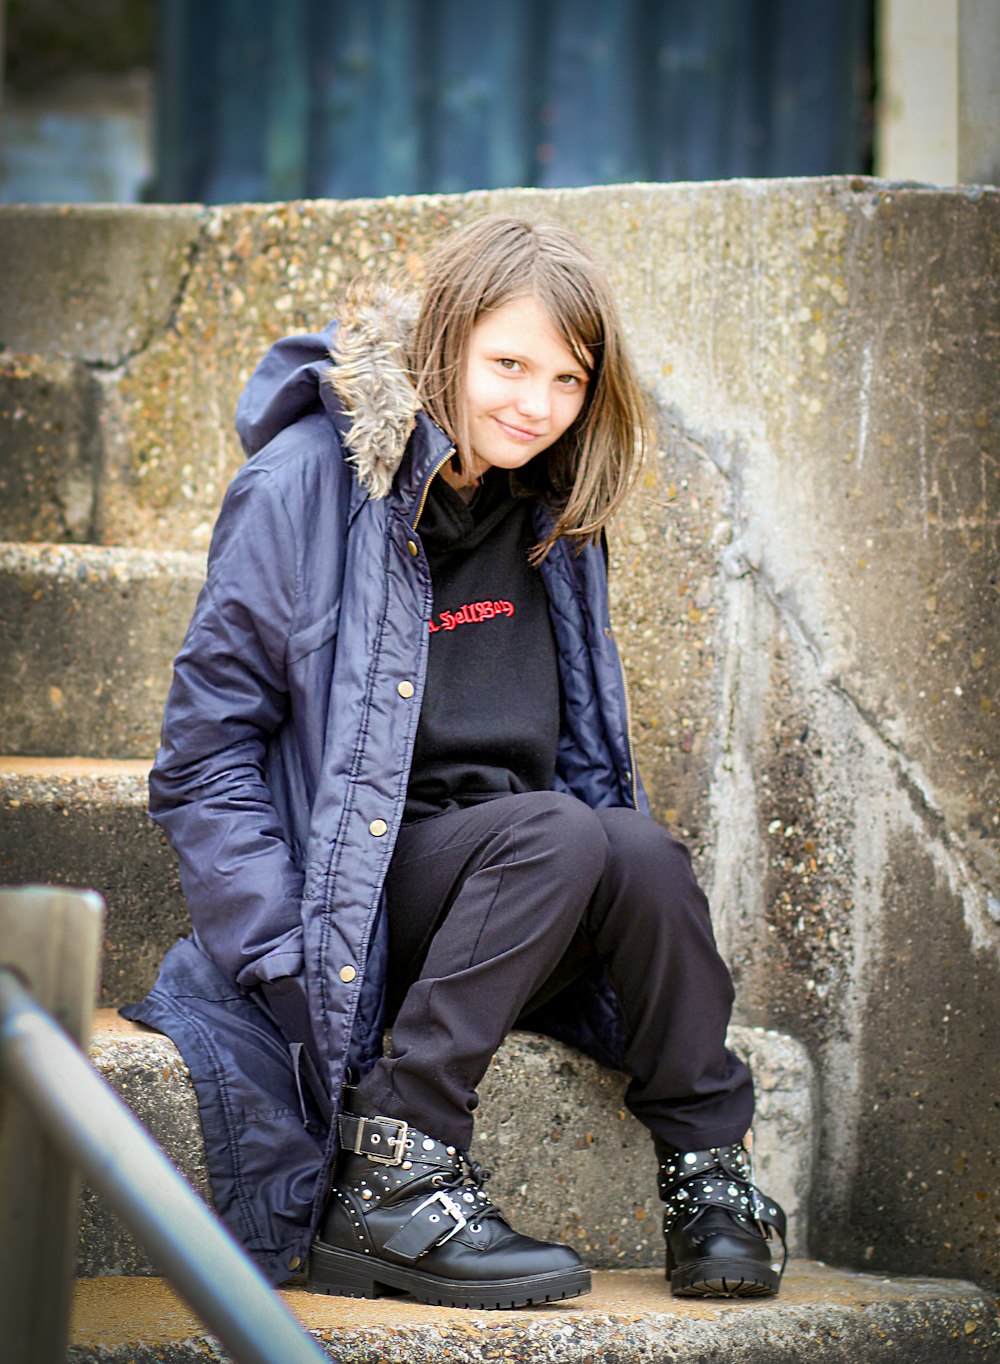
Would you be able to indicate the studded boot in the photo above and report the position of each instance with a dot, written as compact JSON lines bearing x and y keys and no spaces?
{"x":717,"y":1225}
{"x":407,"y":1214}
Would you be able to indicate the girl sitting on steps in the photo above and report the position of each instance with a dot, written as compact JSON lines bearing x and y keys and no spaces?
{"x":397,"y":770}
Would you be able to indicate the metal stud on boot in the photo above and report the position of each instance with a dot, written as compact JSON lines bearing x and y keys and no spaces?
{"x":717,"y":1225}
{"x":407,"y":1214}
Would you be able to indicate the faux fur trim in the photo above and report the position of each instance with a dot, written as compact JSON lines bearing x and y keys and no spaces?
{"x":370,"y":378}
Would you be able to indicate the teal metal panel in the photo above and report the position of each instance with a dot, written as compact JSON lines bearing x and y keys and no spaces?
{"x":290,"y":116}
{"x":364,"y":83}
{"x":273,"y":99}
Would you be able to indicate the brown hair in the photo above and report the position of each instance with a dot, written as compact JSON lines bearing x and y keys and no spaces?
{"x":586,"y":474}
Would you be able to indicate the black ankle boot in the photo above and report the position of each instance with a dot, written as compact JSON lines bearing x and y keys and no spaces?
{"x":407,"y":1214}
{"x":717,"y":1225}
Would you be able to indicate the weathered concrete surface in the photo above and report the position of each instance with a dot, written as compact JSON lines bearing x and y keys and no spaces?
{"x":862,"y":928}
{"x":805,"y":589}
{"x":825,"y":361}
{"x":90,"y":635}
{"x":568,"y":1161}
{"x":855,"y":792}
{"x":50,"y":449}
{"x":84,"y":823}
{"x":823,"y":1316}
{"x":91,"y":281}
{"x":147,"y":1072}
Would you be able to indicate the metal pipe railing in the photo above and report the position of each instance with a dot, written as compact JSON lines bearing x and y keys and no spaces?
{"x":94,"y":1130}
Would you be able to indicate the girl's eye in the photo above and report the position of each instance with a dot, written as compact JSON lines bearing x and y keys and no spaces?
{"x":508,"y":364}
{"x":570,"y":380}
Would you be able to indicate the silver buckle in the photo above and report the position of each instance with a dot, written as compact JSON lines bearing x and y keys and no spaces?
{"x":757,"y":1207}
{"x":450,"y":1207}
{"x":399,"y":1141}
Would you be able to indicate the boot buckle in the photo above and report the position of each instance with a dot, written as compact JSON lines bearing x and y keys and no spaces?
{"x":450,"y":1207}
{"x":364,"y":1146}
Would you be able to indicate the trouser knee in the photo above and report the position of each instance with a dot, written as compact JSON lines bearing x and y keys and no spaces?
{"x":567,"y":841}
{"x":650,"y":872}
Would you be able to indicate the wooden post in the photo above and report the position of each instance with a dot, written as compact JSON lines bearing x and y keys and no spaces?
{"x":51,"y":938}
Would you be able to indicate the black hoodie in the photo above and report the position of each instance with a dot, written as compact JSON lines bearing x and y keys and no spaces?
{"x":489,"y":725}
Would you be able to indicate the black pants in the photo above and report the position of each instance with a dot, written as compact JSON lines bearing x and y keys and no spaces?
{"x":493,"y":908}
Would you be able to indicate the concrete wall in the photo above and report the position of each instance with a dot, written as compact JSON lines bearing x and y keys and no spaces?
{"x":805,"y":583}
{"x":938,"y":106}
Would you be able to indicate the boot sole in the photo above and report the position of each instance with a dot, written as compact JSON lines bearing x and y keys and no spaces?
{"x":345,"y":1274}
{"x":724,"y":1279}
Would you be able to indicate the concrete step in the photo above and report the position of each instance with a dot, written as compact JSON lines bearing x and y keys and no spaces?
{"x":823,"y":1316}
{"x":89,"y":637}
{"x":568,"y":1161}
{"x":83,"y":822}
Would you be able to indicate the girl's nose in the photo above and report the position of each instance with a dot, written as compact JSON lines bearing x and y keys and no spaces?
{"x":533,"y":401}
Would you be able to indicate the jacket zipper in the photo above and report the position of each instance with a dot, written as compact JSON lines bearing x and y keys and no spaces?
{"x":427,"y":486}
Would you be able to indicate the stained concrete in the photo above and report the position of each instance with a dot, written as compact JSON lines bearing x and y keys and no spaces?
{"x":90,"y":637}
{"x":50,"y":449}
{"x":822,"y":1316}
{"x":149,"y":1075}
{"x":83,"y":822}
{"x":862,"y":928}
{"x":804,"y":588}
{"x":567,"y":1160}
{"x":110,"y":280}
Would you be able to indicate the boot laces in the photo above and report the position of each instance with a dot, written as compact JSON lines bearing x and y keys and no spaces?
{"x":466,"y":1188}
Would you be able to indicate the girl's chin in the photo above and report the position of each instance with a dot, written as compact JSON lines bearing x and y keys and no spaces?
{"x":513,"y":459}
{"x":500,"y":452}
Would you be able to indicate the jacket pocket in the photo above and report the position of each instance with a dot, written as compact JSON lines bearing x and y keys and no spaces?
{"x":314,"y":635}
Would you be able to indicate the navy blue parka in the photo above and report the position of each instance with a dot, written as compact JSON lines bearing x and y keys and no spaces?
{"x":282,"y":772}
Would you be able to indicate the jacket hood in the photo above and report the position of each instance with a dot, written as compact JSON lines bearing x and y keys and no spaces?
{"x":367,"y":391}
{"x":370,"y":378}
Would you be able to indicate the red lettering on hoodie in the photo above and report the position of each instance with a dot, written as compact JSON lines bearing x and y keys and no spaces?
{"x":472,"y":613}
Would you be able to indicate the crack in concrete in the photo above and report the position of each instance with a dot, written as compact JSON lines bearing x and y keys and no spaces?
{"x":193,"y":249}
{"x":742,"y":565}
{"x":911,"y":782}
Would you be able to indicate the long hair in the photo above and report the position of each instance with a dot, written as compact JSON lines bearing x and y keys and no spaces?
{"x":586,"y":474}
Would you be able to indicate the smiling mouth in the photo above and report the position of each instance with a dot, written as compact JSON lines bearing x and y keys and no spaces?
{"x":518,"y":432}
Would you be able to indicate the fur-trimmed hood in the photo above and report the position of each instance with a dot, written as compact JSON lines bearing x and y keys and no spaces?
{"x":370,"y":378}
{"x":367,"y":390}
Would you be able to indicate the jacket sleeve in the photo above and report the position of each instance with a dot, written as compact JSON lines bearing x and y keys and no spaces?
{"x":208,"y":790}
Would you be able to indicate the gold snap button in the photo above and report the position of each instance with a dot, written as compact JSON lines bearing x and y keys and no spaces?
{"x":377,"y":828}
{"x":347,"y":974}
{"x":411,"y":545}
{"x":294,"y":1262}
{"x":405,"y":690}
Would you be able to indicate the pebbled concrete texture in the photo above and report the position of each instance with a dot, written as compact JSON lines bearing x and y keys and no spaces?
{"x":50,"y":449}
{"x":822,"y":1316}
{"x":804,"y":588}
{"x":862,"y":927}
{"x":83,"y":822}
{"x":570,"y":1161}
{"x":146,"y":1071}
{"x":567,"y":1161}
{"x":90,"y":636}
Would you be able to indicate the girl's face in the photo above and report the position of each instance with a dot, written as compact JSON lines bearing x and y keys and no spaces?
{"x":523,"y":387}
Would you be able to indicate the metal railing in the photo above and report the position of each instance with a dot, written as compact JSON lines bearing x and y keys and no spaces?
{"x":58,"y":1117}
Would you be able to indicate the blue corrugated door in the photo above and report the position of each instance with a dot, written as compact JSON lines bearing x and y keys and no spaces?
{"x":277,"y":99}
